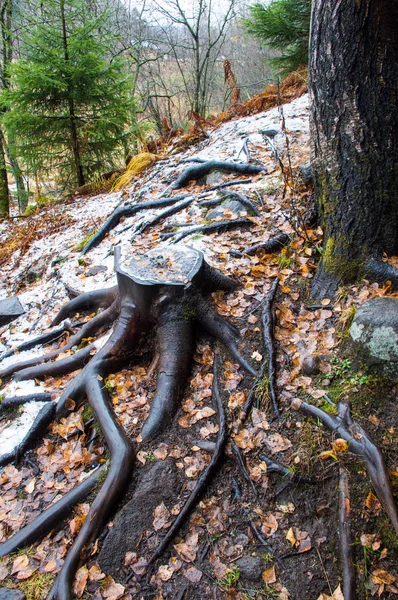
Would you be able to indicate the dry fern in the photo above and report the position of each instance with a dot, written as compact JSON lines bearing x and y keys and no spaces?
{"x":137,"y":164}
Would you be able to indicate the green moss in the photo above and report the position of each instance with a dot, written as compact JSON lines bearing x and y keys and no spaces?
{"x":87,"y":413}
{"x":81,"y":245}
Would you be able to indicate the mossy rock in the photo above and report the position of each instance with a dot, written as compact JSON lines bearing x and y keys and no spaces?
{"x":374,"y":335}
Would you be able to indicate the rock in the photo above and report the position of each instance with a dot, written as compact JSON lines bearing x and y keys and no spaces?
{"x":95,"y":270}
{"x":10,"y":309}
{"x":214,"y":178}
{"x":271,"y":133}
{"x":374,"y":334}
{"x":6,"y":594}
{"x":251,"y":567}
{"x":159,"y":484}
{"x":234,"y":205}
{"x":306,"y":173}
{"x":310,"y":366}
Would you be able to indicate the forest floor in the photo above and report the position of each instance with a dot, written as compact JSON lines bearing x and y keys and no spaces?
{"x":216,"y":555}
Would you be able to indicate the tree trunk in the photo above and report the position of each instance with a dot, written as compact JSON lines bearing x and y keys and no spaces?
{"x":74,"y":138}
{"x":4,"y":194}
{"x":354,"y":93}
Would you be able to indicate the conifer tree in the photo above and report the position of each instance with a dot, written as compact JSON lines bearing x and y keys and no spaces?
{"x":284,"y":26}
{"x":70,"y":102}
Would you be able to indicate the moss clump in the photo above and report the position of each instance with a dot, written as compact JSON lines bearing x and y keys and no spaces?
{"x":37,"y":587}
{"x":81,"y":245}
{"x":336,"y":260}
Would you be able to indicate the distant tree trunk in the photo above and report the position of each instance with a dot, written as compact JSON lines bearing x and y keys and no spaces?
{"x":22,"y":192}
{"x":72,"y":115}
{"x":4,"y":193}
{"x":354,"y":97}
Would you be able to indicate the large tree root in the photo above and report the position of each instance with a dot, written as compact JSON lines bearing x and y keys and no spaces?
{"x":125,"y":212}
{"x":207,"y":474}
{"x":345,"y":538}
{"x":361,"y":445}
{"x":201,"y":170}
{"x":89,"y":330}
{"x":163,"y":289}
{"x":87,"y":301}
{"x":13,"y":402}
{"x":41,"y":340}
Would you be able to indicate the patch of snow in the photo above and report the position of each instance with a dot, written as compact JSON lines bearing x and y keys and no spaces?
{"x":13,"y":434}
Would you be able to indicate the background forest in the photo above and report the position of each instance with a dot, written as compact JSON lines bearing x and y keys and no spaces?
{"x":87,"y":84}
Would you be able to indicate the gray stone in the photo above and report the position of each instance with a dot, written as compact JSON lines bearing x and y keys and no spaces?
{"x":6,"y":594}
{"x":159,"y":484}
{"x":251,"y":567}
{"x":374,"y":334}
{"x":214,"y":178}
{"x":95,"y":270}
{"x":306,"y":173}
{"x":10,"y":309}
{"x":310,"y":366}
{"x":271,"y":133}
{"x":234,"y":205}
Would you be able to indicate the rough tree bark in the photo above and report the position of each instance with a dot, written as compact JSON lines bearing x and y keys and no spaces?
{"x":354,"y":89}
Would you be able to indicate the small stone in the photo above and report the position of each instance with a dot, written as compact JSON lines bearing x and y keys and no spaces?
{"x":310,"y":366}
{"x":241,"y":540}
{"x":95,"y":270}
{"x":6,"y":594}
{"x":326,"y":383}
{"x":233,"y":205}
{"x":214,"y":178}
{"x":251,"y":567}
{"x":306,"y":173}
{"x":271,"y":133}
{"x":10,"y":309}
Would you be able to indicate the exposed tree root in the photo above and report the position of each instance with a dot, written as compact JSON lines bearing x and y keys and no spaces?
{"x":274,"y":244}
{"x":267,"y":321}
{"x":165,"y":290}
{"x":377,"y":270}
{"x":58,"y":367}
{"x":35,"y":433}
{"x":361,"y":445}
{"x":89,"y":329}
{"x":41,"y":340}
{"x":13,"y":402}
{"x":221,"y":186}
{"x":345,"y":538}
{"x":163,"y":215}
{"x":242,"y":465}
{"x":53,"y":516}
{"x":274,"y":467}
{"x":212,"y":228}
{"x":207,"y":474}
{"x":125,"y":212}
{"x":87,"y":301}
{"x":232,"y":196}
{"x":201,"y":170}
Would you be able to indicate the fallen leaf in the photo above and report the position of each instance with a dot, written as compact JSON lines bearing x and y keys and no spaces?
{"x":269,"y":575}
{"x":80,"y":581}
{"x":193,"y":574}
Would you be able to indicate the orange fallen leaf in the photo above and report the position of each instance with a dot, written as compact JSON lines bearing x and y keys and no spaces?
{"x":269,"y":576}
